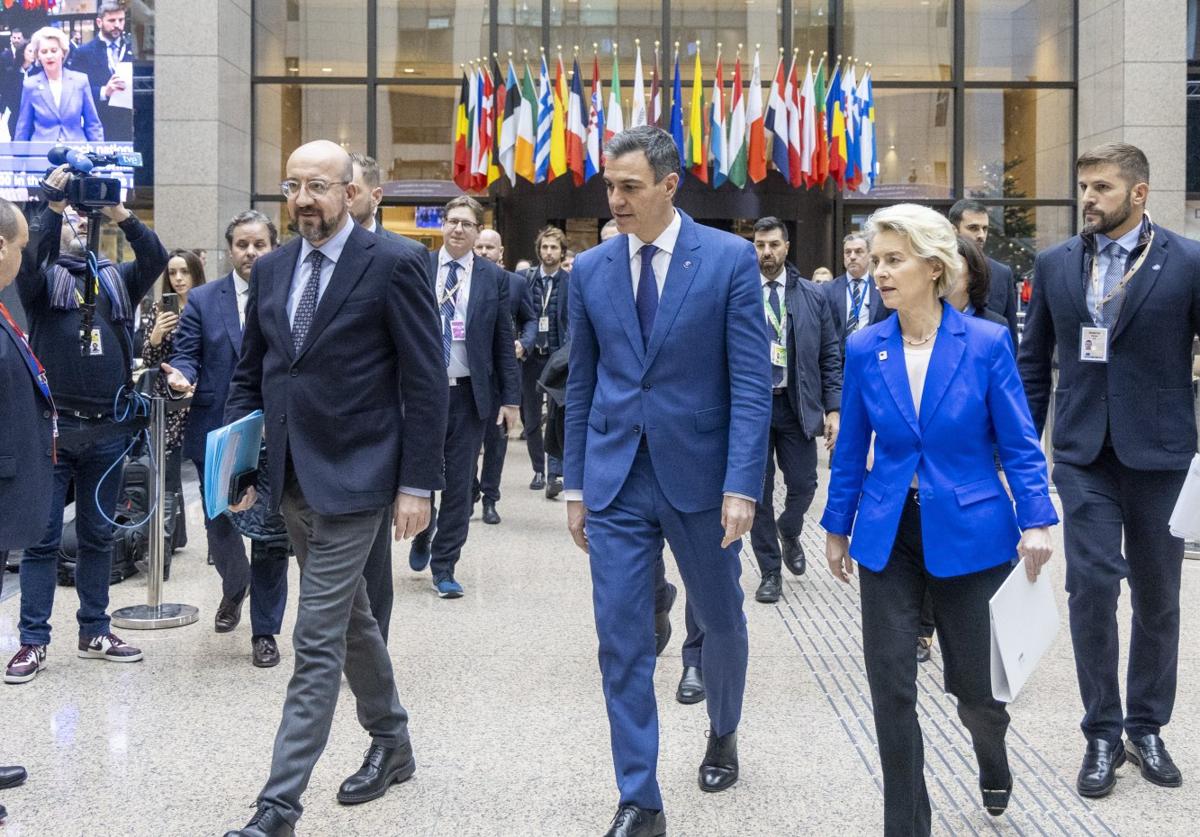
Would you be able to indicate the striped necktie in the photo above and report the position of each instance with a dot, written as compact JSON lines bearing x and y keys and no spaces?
{"x":856,"y":299}
{"x":449,"y":300}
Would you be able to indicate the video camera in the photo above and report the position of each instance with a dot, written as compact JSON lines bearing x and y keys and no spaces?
{"x":85,"y":191}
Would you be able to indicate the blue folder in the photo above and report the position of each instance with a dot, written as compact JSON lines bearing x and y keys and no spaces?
{"x":229,"y":450}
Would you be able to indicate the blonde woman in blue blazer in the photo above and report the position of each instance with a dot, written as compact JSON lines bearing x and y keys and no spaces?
{"x":939,"y":391}
{"x":56,"y":104}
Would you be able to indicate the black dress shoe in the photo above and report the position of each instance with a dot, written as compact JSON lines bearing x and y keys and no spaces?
{"x":1152,"y":759}
{"x":3,"y":813}
{"x":1098,"y":774}
{"x":229,"y":612}
{"x":924,"y":648}
{"x":719,"y":770}
{"x":995,"y":801}
{"x":662,"y":621}
{"x":10,"y":777}
{"x":554,"y":487}
{"x":793,"y":555}
{"x":537,"y":483}
{"x":691,"y":686}
{"x":489,"y":513}
{"x":769,"y":589}
{"x":265,"y":651}
{"x":266,"y":822}
{"x":382,"y":767}
{"x":632,"y":821}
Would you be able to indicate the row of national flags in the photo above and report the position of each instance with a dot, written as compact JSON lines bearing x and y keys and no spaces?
{"x":817,"y":126}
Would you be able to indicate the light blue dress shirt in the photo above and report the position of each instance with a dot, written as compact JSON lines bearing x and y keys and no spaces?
{"x":332,"y":251}
{"x":1128,"y":242}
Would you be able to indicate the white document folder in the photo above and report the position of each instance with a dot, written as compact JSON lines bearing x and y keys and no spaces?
{"x":1024,"y":621}
{"x":1185,"y":519}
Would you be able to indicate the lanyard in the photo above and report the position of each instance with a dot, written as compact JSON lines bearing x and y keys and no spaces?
{"x":452,"y":294}
{"x":36,"y":369}
{"x":1097,"y":286}
{"x":776,"y":322}
{"x":546,"y":292}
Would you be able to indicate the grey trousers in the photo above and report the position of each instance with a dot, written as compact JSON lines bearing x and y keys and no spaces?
{"x":334,"y":631}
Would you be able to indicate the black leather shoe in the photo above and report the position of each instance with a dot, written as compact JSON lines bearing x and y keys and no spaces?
{"x":229,"y":612}
{"x":769,"y":589}
{"x":554,"y":487}
{"x":382,"y":767}
{"x":996,"y":801}
{"x":266,"y":822}
{"x":691,"y":686}
{"x":924,"y":648}
{"x":719,"y":770}
{"x":662,"y":621}
{"x":537,"y":483}
{"x":265,"y":651}
{"x":632,"y":821}
{"x":793,"y":555}
{"x":420,"y":553}
{"x":489,"y":513}
{"x":1151,"y":757}
{"x":10,"y":777}
{"x":1098,"y":774}
{"x":3,"y":813}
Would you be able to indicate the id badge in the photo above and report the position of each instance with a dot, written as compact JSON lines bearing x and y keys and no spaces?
{"x":778,"y":354}
{"x":458,"y":330}
{"x":95,"y":347}
{"x":1093,"y":344}
{"x":544,"y":325}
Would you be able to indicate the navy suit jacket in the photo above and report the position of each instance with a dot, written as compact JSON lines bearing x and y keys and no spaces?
{"x":74,"y":120}
{"x":1002,"y":294}
{"x":972,"y":404}
{"x":814,"y":383}
{"x":520,"y":300}
{"x":91,"y":59}
{"x":360,"y":410}
{"x":207,"y":344}
{"x":490,"y":355}
{"x":1142,"y":398}
{"x":26,"y":465}
{"x":835,"y":293}
{"x":699,"y":390}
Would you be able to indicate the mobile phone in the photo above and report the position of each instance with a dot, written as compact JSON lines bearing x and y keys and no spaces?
{"x":170,"y":302}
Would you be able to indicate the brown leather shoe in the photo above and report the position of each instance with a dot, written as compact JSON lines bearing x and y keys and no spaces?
{"x":266,"y":652}
{"x":229,"y":612}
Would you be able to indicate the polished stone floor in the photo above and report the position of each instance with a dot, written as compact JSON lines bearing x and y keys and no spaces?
{"x":508,"y":720}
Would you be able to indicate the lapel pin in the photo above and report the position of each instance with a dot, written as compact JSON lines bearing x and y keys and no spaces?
{"x":1156,"y":267}
{"x":883,"y":355}
{"x":687,"y":263}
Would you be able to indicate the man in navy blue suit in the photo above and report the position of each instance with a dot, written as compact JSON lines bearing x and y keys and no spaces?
{"x":668,"y":409}
{"x":207,"y":345}
{"x":1124,"y":436}
{"x":340,"y":352}
{"x":852,"y":296}
{"x":477,"y":355}
{"x":548,"y":284}
{"x":970,"y":218}
{"x":99,"y":59}
{"x":524,"y":320}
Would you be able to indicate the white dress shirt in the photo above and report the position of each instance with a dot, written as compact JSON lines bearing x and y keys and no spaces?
{"x":864,"y":313}
{"x":459,"y":366}
{"x":332,"y":251}
{"x":243,"y":296}
{"x":781,"y":279}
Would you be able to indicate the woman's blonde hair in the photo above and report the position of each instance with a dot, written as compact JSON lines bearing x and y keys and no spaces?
{"x":53,"y":33}
{"x":930,"y":235}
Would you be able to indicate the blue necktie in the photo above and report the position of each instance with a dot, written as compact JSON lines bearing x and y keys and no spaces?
{"x":449,"y":298}
{"x":856,"y":300}
{"x":773,"y":301}
{"x":1112,"y":277}
{"x":302,"y":319}
{"x":647,"y":292}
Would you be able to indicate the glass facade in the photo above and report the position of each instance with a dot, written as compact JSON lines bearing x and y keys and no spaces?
{"x":974,"y":98}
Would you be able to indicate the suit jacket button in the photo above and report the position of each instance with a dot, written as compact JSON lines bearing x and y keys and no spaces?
{"x":283,"y":419}
{"x":646,"y":387}
{"x":295,"y":372}
{"x":45,"y":414}
{"x":637,"y":428}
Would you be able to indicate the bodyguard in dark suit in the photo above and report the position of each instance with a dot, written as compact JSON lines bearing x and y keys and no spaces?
{"x":852,"y":297}
{"x":970,"y":218}
{"x":477,"y":354}
{"x":12,"y":76}
{"x":524,"y":326}
{"x":207,"y":345}
{"x":340,"y":352}
{"x":1121,"y":304}
{"x":548,"y":285}
{"x":99,"y":59}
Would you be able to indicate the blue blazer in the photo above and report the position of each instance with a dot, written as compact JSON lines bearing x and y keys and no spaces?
{"x":74,"y":120}
{"x":972,"y":401}
{"x":361,"y":408}
{"x":490,"y":356}
{"x":1142,"y":398}
{"x":700,"y":390}
{"x":207,"y":344}
{"x":26,"y":466}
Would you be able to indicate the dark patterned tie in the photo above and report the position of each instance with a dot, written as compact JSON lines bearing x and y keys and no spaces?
{"x":302,"y":319}
{"x":647,"y":292}
{"x":1112,"y":278}
{"x":773,"y":301}
{"x":856,"y":298}
{"x":449,"y":299}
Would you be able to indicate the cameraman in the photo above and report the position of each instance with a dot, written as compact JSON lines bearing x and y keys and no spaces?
{"x":86,"y":380}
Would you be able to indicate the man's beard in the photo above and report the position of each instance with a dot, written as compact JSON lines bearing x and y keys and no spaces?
{"x":324,"y":229}
{"x":1108,"y":223}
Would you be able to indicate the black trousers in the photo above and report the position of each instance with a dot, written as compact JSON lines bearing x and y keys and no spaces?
{"x":533,"y":407}
{"x":891,"y":613}
{"x":464,"y":434}
{"x":796,"y":454}
{"x":495,"y":448}
{"x":1102,"y":501}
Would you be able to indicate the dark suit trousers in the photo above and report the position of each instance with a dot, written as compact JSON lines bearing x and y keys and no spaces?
{"x":891,"y":612}
{"x":334,"y":632}
{"x":378,"y":573}
{"x":464,"y":434}
{"x":265,"y":573}
{"x":495,"y":448}
{"x":625,"y":539}
{"x":1100,"y":501}
{"x":796,"y":454}
{"x":533,"y":407}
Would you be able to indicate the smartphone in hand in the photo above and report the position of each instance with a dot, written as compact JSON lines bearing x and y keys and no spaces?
{"x":170,"y":302}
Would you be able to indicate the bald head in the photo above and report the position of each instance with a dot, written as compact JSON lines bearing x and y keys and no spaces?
{"x":322,"y":190}
{"x":324,"y":153}
{"x":489,"y":246}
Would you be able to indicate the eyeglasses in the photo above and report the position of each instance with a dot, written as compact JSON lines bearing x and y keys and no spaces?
{"x":316,"y":188}
{"x":459,"y":222}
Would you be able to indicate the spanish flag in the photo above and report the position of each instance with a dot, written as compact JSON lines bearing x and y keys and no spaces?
{"x":558,"y":128}
{"x":697,"y":150}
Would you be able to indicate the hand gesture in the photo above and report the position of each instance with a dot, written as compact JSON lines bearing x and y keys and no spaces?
{"x":176,"y":379}
{"x":837,"y":555}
